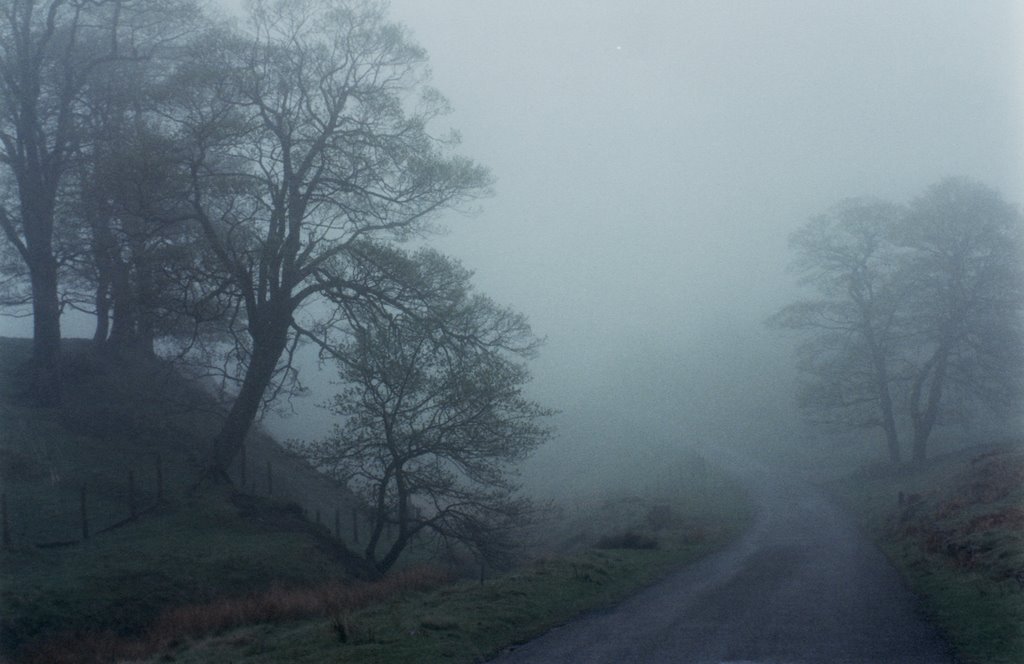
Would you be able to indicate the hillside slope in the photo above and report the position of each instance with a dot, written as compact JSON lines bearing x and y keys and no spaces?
{"x":103,"y":528}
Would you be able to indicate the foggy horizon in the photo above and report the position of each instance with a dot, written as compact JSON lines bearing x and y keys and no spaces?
{"x":651,"y":162}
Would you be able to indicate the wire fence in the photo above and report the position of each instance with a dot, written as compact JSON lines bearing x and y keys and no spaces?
{"x":71,"y":506}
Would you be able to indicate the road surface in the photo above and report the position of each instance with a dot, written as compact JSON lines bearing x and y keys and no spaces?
{"x":802,"y":585}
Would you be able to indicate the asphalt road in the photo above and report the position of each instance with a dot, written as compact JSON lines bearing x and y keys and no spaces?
{"x":803,"y":585}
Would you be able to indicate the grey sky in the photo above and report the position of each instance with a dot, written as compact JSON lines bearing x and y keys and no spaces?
{"x":652,"y":158}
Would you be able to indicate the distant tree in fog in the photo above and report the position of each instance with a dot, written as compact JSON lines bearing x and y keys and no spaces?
{"x":963,"y":275}
{"x":433,"y":417}
{"x":849,"y":357}
{"x":918,"y":319}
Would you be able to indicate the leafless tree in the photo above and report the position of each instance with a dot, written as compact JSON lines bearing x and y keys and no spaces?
{"x":920,"y":311}
{"x":315,"y":123}
{"x":50,"y":51}
{"x":964,"y":284}
{"x":846,"y":256}
{"x":433,"y":418}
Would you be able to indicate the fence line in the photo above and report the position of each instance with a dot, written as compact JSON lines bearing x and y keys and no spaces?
{"x":130,"y":500}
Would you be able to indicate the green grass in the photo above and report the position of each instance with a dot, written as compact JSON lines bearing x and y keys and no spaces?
{"x":470,"y":621}
{"x":189,"y":552}
{"x":197,"y":561}
{"x":959,"y":544}
{"x":117,"y":417}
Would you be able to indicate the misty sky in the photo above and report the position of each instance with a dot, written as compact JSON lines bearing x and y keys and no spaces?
{"x":652,"y":158}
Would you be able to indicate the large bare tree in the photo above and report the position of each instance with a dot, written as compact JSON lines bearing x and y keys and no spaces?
{"x":311,"y":151}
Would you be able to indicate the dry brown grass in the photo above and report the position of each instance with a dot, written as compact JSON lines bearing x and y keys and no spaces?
{"x":276,"y":605}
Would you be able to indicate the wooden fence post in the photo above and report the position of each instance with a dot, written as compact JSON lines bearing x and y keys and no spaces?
{"x":85,"y":516}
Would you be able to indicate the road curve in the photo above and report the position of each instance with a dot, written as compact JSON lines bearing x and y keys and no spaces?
{"x":802,"y":585}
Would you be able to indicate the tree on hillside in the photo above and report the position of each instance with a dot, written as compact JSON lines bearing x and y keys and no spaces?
{"x":919,"y":317}
{"x":132,"y":192}
{"x":50,"y":52}
{"x":310,"y":152}
{"x":846,"y":256}
{"x":964,"y":284}
{"x":432,"y":417}
{"x":41,"y":74}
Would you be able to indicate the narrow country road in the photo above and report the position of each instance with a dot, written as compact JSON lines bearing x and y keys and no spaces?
{"x":803,"y":585}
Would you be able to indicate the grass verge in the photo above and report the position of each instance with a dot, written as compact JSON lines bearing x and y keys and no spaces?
{"x":957,"y":536}
{"x":471,"y":621}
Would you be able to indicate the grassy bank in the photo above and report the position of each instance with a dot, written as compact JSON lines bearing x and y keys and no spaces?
{"x":119,"y":584}
{"x":957,"y":535}
{"x":469,"y":621}
{"x":130,"y":439}
{"x":237,"y":574}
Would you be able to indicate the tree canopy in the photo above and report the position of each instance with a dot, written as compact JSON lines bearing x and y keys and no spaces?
{"x":918,"y":314}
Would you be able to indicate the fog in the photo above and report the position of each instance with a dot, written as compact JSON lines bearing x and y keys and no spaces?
{"x":651,"y":160}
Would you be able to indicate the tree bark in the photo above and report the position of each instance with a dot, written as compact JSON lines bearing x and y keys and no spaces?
{"x":267,"y":350}
{"x":881,"y":369}
{"x":892,"y":437}
{"x":45,"y":388}
{"x":924,"y":418}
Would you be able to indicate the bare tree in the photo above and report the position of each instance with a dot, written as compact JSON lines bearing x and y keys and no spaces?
{"x":433,"y":417}
{"x":310,"y":149}
{"x":846,"y":256}
{"x":50,"y":52}
{"x":41,"y":75}
{"x":920,"y":311}
{"x":964,"y":282}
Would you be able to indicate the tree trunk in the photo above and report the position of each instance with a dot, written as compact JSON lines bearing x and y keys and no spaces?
{"x":45,"y":330}
{"x":226,"y":444}
{"x":99,"y":337}
{"x":892,"y":438}
{"x":924,"y":418}
{"x":102,"y":250}
{"x":402,"y":540}
{"x":123,"y":328}
{"x":881,"y":367}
